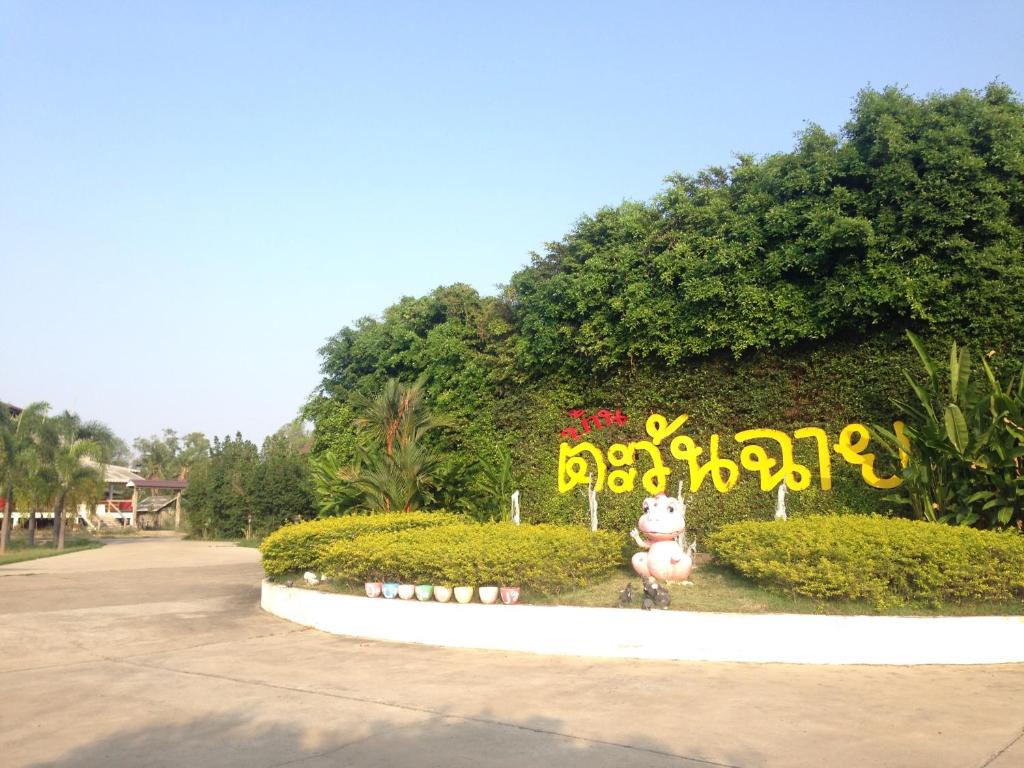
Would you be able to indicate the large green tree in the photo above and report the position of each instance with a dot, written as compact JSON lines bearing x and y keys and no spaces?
{"x":238,"y":490}
{"x":771,"y":292}
{"x":217,"y":501}
{"x":281,"y":487}
{"x":910,"y":216}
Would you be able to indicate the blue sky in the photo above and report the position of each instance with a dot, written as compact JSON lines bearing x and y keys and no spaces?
{"x":195,"y":195}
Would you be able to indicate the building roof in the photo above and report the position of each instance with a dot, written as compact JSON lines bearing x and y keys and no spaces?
{"x":112,"y":473}
{"x":173,"y":485}
{"x":156,"y":503}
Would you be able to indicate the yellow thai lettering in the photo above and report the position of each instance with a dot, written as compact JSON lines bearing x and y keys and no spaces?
{"x":824,"y":454}
{"x":756,"y":459}
{"x":899,"y":428}
{"x":684,"y":449}
{"x":583,"y":463}
{"x":655,"y":480}
{"x":573,"y":468}
{"x":621,"y":480}
{"x":659,"y":429}
{"x":853,"y":442}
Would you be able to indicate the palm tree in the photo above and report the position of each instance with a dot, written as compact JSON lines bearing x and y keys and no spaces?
{"x":15,"y":439}
{"x":396,"y":417}
{"x":394,"y":469}
{"x":332,"y":483}
{"x":75,"y":481}
{"x":7,"y":453}
{"x":401,"y":480}
{"x":35,"y":482}
{"x":35,"y":478}
{"x":157,"y":456}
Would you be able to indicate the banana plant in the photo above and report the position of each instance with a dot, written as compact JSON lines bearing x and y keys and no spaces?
{"x":962,"y":444}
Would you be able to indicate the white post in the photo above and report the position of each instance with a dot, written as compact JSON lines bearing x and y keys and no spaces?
{"x":592,"y":502}
{"x":681,"y":538}
{"x":135,"y":505}
{"x":515,"y":508}
{"x":780,"y":504}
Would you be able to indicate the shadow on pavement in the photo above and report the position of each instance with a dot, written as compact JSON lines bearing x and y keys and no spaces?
{"x":422,"y":740}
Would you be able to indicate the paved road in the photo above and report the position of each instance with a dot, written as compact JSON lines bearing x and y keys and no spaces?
{"x":155,"y":653}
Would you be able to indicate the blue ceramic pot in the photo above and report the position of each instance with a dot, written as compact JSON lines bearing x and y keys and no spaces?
{"x":390,"y":589}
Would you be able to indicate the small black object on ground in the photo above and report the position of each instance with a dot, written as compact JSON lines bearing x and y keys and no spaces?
{"x":626,"y":595}
{"x":654,"y":595}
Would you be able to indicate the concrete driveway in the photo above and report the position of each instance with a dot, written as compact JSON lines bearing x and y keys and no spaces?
{"x":155,"y":653}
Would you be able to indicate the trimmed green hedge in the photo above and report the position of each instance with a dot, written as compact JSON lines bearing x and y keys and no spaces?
{"x":544,"y":559}
{"x":887,"y":561}
{"x":298,"y":547}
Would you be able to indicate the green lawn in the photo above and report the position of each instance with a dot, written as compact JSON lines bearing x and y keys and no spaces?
{"x":720,"y":590}
{"x":19,"y":551}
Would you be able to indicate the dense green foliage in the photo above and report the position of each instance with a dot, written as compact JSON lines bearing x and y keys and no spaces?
{"x":887,"y":561}
{"x":240,"y":491}
{"x":394,"y":467}
{"x":912,"y":214}
{"x":543,"y":559}
{"x":773,"y":293}
{"x":964,"y":444}
{"x":297,"y":548}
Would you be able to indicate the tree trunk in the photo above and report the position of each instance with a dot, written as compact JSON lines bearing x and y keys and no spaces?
{"x":32,"y":528}
{"x":58,"y":526}
{"x":5,"y":528}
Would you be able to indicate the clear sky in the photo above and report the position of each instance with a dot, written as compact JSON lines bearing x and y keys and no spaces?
{"x":195,"y":195}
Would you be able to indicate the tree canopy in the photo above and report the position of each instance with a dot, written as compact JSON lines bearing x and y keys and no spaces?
{"x":796,"y":266}
{"x":911,"y":216}
{"x":238,"y":490}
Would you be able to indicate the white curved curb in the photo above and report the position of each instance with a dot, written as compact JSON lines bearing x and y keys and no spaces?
{"x":668,"y":635}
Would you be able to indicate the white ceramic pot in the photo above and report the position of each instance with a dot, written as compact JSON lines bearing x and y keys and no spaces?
{"x":464,"y":594}
{"x":406,"y":591}
{"x":442,"y":594}
{"x":488,"y":595}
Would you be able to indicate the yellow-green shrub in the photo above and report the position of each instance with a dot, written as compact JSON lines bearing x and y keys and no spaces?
{"x":298,"y":547}
{"x":887,"y":561}
{"x":544,"y":559}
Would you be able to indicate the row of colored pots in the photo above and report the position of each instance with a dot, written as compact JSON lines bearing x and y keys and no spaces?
{"x":425,"y":592}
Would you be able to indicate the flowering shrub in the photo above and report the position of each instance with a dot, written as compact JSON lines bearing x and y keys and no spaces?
{"x":297,"y":548}
{"x":544,"y":559}
{"x":887,"y":561}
